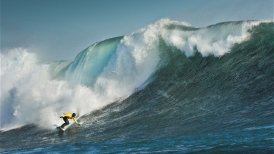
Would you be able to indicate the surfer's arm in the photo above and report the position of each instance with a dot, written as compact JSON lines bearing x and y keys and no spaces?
{"x":75,"y":120}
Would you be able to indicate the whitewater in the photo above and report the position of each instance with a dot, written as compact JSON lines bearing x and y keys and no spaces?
{"x":118,"y":75}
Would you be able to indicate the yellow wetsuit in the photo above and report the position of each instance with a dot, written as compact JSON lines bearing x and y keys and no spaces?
{"x":69,"y":116}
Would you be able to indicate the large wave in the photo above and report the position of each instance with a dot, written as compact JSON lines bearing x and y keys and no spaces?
{"x":107,"y":71}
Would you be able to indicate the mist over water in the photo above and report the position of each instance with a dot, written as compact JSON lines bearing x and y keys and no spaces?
{"x":167,"y":62}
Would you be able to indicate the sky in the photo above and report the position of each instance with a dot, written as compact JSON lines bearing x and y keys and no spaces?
{"x":60,"y":29}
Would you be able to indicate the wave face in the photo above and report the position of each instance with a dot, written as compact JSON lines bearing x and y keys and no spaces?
{"x":165,"y":88}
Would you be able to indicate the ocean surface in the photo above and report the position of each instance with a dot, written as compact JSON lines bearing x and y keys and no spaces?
{"x":166,"y":88}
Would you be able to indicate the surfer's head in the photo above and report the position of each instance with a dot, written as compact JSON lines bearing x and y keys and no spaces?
{"x":73,"y":115}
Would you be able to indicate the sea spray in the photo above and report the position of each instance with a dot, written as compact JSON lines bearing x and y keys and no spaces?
{"x":30,"y":96}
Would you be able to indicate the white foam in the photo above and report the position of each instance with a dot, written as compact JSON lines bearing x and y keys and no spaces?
{"x":214,"y":40}
{"x":28,"y":95}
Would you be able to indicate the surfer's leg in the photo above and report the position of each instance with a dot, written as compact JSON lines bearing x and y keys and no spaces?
{"x":66,"y":122}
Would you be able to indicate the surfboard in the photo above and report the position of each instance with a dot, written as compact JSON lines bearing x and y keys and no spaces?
{"x":63,"y":129}
{"x":60,"y":129}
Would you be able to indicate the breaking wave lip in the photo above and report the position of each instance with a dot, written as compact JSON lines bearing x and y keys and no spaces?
{"x":124,"y":64}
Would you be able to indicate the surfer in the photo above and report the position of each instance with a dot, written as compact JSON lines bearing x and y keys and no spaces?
{"x":66,"y":117}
